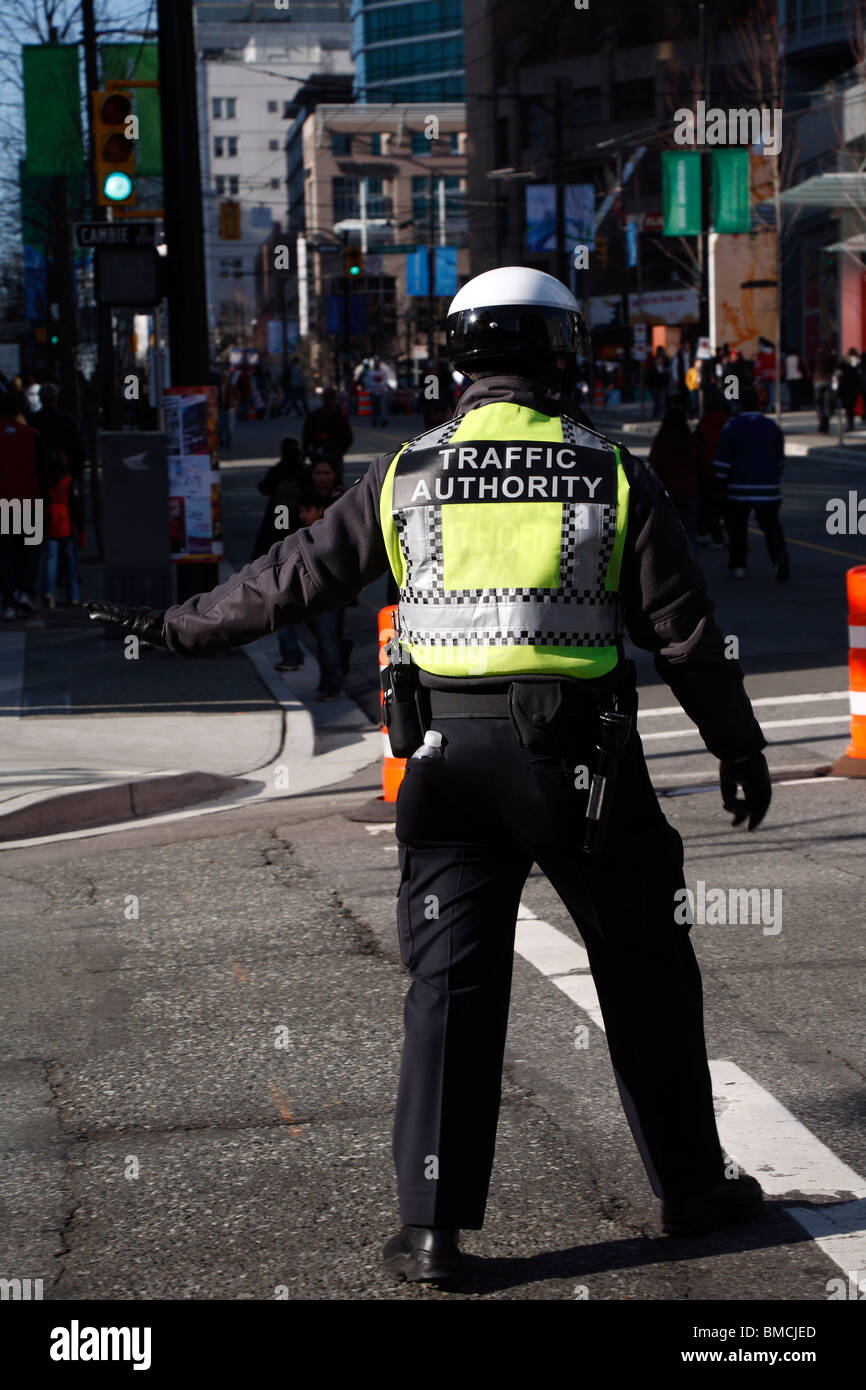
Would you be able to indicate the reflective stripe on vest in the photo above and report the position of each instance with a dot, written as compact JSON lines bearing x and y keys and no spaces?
{"x":505,"y":531}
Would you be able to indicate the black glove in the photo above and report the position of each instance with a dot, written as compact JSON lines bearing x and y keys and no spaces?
{"x":144,"y":623}
{"x":753,"y":776}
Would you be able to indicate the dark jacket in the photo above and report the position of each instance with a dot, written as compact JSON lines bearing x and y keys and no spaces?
{"x":59,"y":430}
{"x":664,"y":592}
{"x":677,"y":458}
{"x":327,"y":434}
{"x":282,"y":486}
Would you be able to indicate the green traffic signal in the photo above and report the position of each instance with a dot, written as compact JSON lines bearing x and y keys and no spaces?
{"x":117,"y":186}
{"x":354,"y":270}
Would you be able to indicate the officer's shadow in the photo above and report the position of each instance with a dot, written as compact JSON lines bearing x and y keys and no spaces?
{"x":581,"y":1262}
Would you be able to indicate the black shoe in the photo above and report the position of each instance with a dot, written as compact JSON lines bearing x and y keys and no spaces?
{"x":732,"y":1200}
{"x":422,"y":1253}
{"x":783,"y":570}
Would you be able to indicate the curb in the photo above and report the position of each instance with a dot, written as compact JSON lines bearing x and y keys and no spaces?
{"x":123,"y":801}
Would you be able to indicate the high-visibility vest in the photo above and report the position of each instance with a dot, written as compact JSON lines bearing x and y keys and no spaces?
{"x":505,"y":530}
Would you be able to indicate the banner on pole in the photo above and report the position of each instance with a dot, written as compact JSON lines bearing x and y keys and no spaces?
{"x":681,"y":193}
{"x":731,"y":179}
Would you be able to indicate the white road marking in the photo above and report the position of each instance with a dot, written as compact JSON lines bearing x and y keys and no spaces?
{"x":765,"y":724}
{"x":756,"y":1130}
{"x":764,"y":700}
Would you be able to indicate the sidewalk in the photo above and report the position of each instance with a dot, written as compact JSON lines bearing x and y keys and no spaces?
{"x":800,"y":428}
{"x":88,"y":738}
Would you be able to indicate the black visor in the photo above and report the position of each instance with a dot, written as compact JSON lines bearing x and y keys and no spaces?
{"x":513,"y":330}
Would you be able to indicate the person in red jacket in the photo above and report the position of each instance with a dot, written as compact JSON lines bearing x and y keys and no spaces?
{"x":677,"y":458}
{"x":21,"y":457}
{"x":64,"y":528}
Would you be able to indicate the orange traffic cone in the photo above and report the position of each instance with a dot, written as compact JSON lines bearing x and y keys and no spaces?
{"x":393,"y":769}
{"x":853,"y":763}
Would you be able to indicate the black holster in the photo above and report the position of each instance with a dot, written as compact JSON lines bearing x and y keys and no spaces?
{"x":405,"y":707}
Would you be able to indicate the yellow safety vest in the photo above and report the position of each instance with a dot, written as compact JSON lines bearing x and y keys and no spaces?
{"x":505,"y":531}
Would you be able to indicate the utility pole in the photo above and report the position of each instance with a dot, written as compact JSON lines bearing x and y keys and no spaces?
{"x":184,"y":232}
{"x":559,"y":175}
{"x":431,"y":262}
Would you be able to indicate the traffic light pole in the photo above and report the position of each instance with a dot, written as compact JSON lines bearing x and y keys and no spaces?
{"x":184,"y":230}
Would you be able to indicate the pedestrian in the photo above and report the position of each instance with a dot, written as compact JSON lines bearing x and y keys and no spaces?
{"x":22,"y":486}
{"x":324,"y":629}
{"x":63,"y":527}
{"x":693,"y":387}
{"x":749,"y":461}
{"x":282,"y":485}
{"x":849,"y":385}
{"x":297,"y":392}
{"x":677,"y":459}
{"x":709,"y":427}
{"x":508,"y":671}
{"x":376,"y":382}
{"x":323,"y":482}
{"x":58,"y":429}
{"x":794,"y":379}
{"x":327,"y":433}
{"x":825,"y":366}
{"x":658,"y":380}
{"x":227,"y":402}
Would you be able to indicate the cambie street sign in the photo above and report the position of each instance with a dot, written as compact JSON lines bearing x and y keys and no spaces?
{"x":115,"y":233}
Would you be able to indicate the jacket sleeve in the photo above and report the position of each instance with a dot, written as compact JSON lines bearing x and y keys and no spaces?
{"x":316,"y":568}
{"x":669,"y":613}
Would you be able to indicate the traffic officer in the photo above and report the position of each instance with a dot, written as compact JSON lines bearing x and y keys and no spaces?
{"x":523,"y":544}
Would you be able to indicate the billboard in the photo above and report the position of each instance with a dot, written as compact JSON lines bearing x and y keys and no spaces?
{"x":541,"y":215}
{"x":193,"y":473}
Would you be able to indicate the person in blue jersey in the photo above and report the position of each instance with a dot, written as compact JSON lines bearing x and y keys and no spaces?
{"x":749,"y":462}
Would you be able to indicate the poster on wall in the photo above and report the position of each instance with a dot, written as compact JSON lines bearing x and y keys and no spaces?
{"x":191,"y":427}
{"x":745,"y":290}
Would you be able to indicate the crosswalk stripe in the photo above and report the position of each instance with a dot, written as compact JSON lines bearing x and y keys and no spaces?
{"x":757,"y":704}
{"x":765,"y":724}
{"x":756,"y":1130}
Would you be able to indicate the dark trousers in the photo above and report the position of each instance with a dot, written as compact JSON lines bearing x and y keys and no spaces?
{"x":737,"y":522}
{"x":469,"y":827}
{"x":824,"y":403}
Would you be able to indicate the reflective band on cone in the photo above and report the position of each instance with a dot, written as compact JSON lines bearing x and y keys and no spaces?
{"x":364,"y":407}
{"x":393,"y":769}
{"x":853,"y":763}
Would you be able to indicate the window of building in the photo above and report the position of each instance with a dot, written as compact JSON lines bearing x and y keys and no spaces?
{"x":275,"y":183}
{"x":234,"y":185}
{"x":231,"y":108}
{"x":231,"y":266}
{"x":454,"y":146}
{"x":534,"y":124}
{"x":273,"y":144}
{"x":218,"y":146}
{"x":419,"y":17}
{"x":347,"y":198}
{"x":340,"y":144}
{"x":634,"y":100}
{"x":586,"y":105}
{"x":376,"y":143}
{"x":231,"y":146}
{"x":220,"y":183}
{"x":410,"y":59}
{"x":272,"y":106}
{"x":420,"y":143}
{"x":216,"y":107}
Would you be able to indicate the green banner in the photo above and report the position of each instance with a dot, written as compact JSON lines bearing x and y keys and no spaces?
{"x":681,"y":193}
{"x":139,"y":62}
{"x":731,"y":177}
{"x":52,"y":109}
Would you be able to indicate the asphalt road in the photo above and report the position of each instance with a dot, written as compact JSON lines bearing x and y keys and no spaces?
{"x":202,"y":1021}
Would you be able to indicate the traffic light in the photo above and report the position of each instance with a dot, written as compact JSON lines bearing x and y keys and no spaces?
{"x":114,"y":149}
{"x":601,"y":250}
{"x":353,"y":260}
{"x":230,"y":221}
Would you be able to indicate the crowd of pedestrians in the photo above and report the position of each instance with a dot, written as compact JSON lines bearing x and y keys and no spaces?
{"x":43,"y":455}
{"x":720,"y":473}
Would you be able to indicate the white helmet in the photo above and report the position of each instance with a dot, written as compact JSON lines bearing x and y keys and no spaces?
{"x":513,"y":312}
